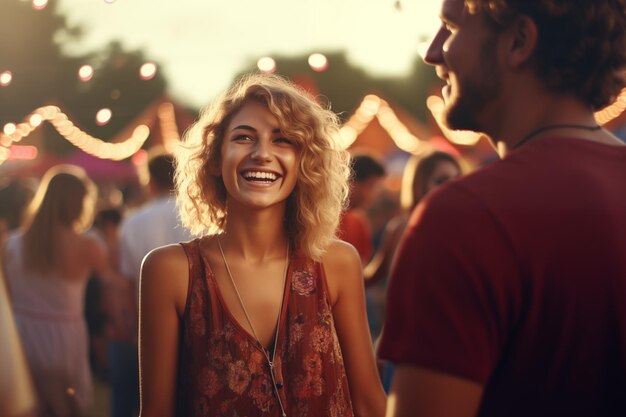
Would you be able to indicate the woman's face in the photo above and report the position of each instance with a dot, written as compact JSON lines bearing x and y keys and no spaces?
{"x":259,"y":165}
{"x":444,"y":171}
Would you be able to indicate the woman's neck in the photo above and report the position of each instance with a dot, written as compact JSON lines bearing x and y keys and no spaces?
{"x":255,"y":236}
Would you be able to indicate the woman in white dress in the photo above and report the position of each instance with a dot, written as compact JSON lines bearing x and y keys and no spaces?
{"x":46,"y":266}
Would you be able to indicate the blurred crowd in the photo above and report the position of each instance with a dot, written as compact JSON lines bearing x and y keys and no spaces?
{"x":89,"y":302}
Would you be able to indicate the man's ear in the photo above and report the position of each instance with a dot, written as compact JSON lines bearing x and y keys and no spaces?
{"x":522,"y":37}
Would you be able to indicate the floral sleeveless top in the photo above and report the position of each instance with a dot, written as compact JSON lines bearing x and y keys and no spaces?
{"x":223,"y":371}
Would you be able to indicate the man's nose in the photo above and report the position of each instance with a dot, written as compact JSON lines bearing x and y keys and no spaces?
{"x":434,"y":53}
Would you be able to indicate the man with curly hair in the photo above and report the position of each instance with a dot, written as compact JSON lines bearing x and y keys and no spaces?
{"x":508,"y":296}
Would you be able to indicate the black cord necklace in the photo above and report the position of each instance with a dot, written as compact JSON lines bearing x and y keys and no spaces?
{"x":591,"y":128}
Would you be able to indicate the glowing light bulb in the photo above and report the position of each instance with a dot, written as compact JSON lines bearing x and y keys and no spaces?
{"x":9,"y":128}
{"x":318,"y":62}
{"x":147,"y":71}
{"x":40,"y":4}
{"x":266,"y":64}
{"x":35,"y":120}
{"x":5,"y":78}
{"x":85,"y":73}
{"x":103,"y":116}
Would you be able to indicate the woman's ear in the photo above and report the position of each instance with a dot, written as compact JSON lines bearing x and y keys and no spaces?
{"x":522,"y":37}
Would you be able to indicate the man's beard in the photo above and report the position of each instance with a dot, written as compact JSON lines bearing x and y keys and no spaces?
{"x":476,"y":93}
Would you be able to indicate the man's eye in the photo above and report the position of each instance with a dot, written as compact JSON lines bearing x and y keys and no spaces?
{"x":450,"y":28}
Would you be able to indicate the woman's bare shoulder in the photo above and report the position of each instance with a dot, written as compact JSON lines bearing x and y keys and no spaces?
{"x":343,"y":267}
{"x":341,"y":255}
{"x":164,"y":260}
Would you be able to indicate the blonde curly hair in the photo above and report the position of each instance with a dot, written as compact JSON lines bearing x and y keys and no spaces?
{"x":315,"y":205}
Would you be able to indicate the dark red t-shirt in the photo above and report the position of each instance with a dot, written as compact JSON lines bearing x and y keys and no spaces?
{"x":515,"y":277}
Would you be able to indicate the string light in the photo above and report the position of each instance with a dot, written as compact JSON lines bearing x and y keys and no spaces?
{"x":169,"y":129}
{"x":318,"y":62}
{"x":266,"y":65}
{"x":85,"y":73}
{"x":103,"y":116}
{"x":147,"y":71}
{"x":5,"y":78}
{"x":613,"y":110}
{"x":39,"y":4}
{"x":67,"y":129}
{"x":35,"y":120}
{"x":9,"y":128}
{"x":373,"y":106}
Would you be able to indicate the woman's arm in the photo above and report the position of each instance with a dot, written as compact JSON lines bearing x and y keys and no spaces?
{"x":163,"y":292}
{"x":345,"y":281}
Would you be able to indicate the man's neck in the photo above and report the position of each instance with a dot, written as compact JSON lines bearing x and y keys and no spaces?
{"x":533,"y":113}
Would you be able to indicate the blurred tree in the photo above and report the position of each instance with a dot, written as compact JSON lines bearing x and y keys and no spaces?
{"x":30,"y":47}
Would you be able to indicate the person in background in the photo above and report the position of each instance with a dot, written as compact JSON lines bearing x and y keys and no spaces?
{"x":46,"y":266}
{"x":17,"y":397}
{"x":264,"y":314}
{"x":354,"y":227}
{"x":421,"y":176}
{"x":154,"y":224}
{"x":508,"y":293}
{"x":14,"y":197}
{"x":104,"y":305}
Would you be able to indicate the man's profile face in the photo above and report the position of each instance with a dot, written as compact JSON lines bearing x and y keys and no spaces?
{"x":464,"y":54}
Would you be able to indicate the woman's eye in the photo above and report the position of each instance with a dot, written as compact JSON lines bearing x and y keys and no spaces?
{"x":284,"y":140}
{"x":242,"y":138}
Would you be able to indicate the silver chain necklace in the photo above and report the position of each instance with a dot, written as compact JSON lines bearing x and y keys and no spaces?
{"x":270,"y":361}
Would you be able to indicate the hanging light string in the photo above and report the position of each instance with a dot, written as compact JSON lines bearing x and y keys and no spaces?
{"x":372,"y":107}
{"x":89,"y":144}
{"x":613,"y":110}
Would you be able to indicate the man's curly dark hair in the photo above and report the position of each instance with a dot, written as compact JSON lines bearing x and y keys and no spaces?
{"x":581,"y":47}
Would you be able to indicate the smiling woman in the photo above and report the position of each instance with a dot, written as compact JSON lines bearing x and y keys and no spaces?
{"x":270,"y":305}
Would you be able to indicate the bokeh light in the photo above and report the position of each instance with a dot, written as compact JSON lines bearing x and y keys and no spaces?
{"x":147,"y":71}
{"x":5,"y":78}
{"x":266,"y":65}
{"x":9,"y":128}
{"x":40,"y":4}
{"x":85,"y":73}
{"x":140,"y":157}
{"x":318,"y":62}
{"x":103,"y":116}
{"x":35,"y":120}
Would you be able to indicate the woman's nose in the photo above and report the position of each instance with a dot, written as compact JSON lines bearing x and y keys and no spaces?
{"x":262,"y":150}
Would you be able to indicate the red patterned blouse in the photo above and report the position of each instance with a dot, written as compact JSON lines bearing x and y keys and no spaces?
{"x":223,"y":371}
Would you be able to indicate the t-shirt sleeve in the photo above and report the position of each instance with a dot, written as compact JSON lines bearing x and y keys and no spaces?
{"x":454,"y":289}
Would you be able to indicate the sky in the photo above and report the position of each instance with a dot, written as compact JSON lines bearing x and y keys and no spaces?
{"x":202,"y":44}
